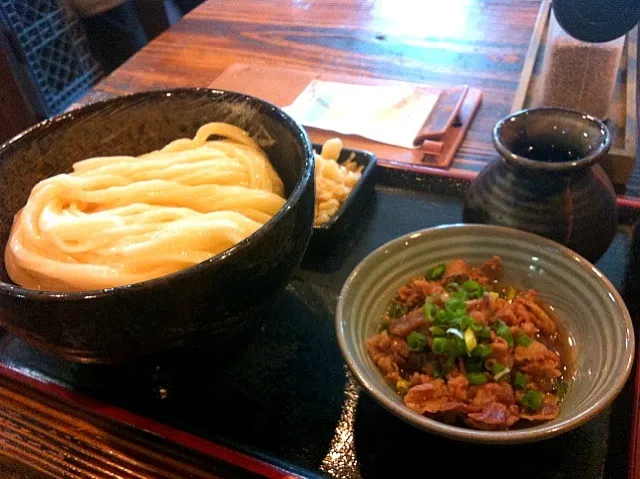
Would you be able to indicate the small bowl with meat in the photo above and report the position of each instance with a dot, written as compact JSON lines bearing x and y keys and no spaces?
{"x":485,"y":333}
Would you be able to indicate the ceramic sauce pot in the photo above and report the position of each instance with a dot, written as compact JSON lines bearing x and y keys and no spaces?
{"x":548,"y":180}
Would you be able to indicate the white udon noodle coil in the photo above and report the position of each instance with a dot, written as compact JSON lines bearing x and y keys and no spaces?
{"x":121,"y":220}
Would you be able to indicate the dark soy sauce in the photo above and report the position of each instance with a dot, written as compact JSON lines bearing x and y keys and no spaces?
{"x":546,"y":153}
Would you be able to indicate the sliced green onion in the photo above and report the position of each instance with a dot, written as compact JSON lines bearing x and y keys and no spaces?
{"x":462,"y":322}
{"x":504,"y":332}
{"x":430,"y":311}
{"x":478,"y":293}
{"x":396,"y":310}
{"x":470,"y":340}
{"x":477,"y":378}
{"x":442,"y":317}
{"x":532,"y":399}
{"x":455,"y":306}
{"x":473,"y":289}
{"x":417,"y":341}
{"x":473,"y":365}
{"x":402,"y":386}
{"x":438,"y":331}
{"x":455,"y":332}
{"x":475,"y":327}
{"x":470,"y":285}
{"x":490,"y":364}
{"x":524,"y":340}
{"x":481,"y":351}
{"x":461,"y":295}
{"x":519,"y":380}
{"x":484,"y":332}
{"x":497,"y":367}
{"x":459,"y":348}
{"x":455,"y":322}
{"x":441,"y":346}
{"x":501,"y":374}
{"x":436,"y":273}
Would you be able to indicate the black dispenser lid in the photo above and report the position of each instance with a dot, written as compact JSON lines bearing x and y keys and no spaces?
{"x":597,"y":20}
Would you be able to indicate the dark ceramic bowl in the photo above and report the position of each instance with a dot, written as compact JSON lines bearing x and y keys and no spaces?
{"x":215,"y":301}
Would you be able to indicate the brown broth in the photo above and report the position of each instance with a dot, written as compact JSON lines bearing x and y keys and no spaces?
{"x":562,"y":343}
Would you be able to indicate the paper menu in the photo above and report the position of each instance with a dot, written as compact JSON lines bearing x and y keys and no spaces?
{"x":393,"y":114}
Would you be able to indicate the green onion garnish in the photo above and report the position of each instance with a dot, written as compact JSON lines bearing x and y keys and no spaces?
{"x":481,"y":351}
{"x":524,"y":340}
{"x":497,"y":368}
{"x":442,"y":317}
{"x":455,"y":332}
{"x":460,"y":348}
{"x":438,"y":331}
{"x":456,"y":306}
{"x":442,"y":346}
{"x":502,"y":373}
{"x":490,"y":363}
{"x":484,"y":332}
{"x":504,"y":332}
{"x":473,"y":365}
{"x":477,"y":378}
{"x":436,"y":273}
{"x":417,"y":341}
{"x":470,"y":285}
{"x":532,"y":399}
{"x":430,"y":311}
{"x":519,"y":380}
{"x":473,"y":289}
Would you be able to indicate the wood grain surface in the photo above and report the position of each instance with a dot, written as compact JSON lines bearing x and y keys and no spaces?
{"x":481,"y":43}
{"x":47,"y":431}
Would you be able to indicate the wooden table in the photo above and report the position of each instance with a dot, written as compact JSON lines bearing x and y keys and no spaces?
{"x":477,"y":42}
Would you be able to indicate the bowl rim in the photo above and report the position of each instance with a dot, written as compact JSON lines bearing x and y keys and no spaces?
{"x":516,"y":436}
{"x":215,"y":94}
{"x":564,"y":166}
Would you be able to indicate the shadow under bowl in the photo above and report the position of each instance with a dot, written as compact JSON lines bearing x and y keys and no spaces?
{"x":584,"y":300}
{"x":216,"y":301}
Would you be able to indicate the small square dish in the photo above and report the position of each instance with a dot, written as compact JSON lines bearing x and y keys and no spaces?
{"x":349,"y":211}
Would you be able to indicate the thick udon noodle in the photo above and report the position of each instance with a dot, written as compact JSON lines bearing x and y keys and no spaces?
{"x":120,"y":220}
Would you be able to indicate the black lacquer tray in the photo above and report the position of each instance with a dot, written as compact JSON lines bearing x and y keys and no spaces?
{"x":285,"y":405}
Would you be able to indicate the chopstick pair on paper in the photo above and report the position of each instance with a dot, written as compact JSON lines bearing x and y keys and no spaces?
{"x":444,"y":115}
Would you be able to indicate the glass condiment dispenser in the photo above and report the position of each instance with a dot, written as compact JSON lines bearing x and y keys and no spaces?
{"x":584,"y":47}
{"x":577,"y":74}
